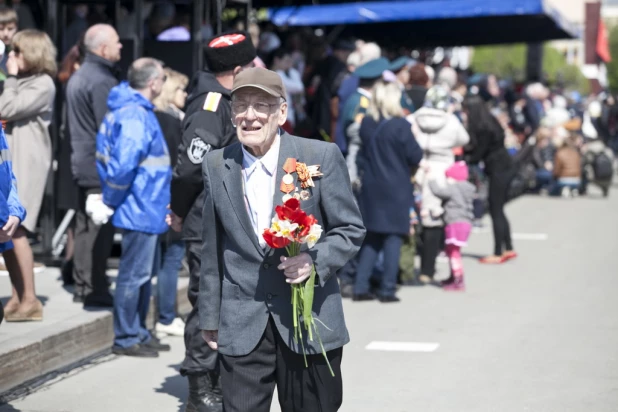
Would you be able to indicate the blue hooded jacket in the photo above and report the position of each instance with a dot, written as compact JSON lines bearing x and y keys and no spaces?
{"x":9,"y":202}
{"x":133,"y":162}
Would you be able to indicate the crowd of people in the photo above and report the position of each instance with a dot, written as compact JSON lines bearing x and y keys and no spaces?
{"x":428,"y":150}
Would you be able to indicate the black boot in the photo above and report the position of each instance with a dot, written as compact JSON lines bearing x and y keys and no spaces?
{"x":67,"y":273}
{"x":204,"y":393}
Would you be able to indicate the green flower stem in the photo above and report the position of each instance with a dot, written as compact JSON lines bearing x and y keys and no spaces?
{"x":302,"y":303}
{"x":323,"y":351}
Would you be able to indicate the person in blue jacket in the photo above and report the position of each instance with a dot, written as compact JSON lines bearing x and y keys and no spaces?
{"x":133,"y":163}
{"x":12,"y":212}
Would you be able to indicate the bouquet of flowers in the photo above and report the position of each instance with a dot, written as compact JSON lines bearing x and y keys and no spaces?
{"x":291,"y":228}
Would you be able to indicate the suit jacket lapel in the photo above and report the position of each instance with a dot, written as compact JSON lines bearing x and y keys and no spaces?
{"x":287,"y":148}
{"x":233,"y":182}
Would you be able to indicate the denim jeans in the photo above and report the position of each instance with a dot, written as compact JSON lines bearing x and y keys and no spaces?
{"x":375,"y":243}
{"x":544,"y":179}
{"x":167,"y":282}
{"x":556,"y":186}
{"x":133,"y":288}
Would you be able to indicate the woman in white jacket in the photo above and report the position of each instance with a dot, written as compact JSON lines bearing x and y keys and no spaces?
{"x":438,"y":131}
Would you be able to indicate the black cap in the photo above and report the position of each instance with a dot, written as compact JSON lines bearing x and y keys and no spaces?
{"x":228,"y":51}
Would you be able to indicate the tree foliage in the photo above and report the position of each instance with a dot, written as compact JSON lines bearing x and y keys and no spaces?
{"x":509,"y":62}
{"x":612,"y":67}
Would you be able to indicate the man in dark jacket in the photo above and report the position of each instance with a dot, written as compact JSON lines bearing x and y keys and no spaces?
{"x":207,"y":126}
{"x":86,"y":94}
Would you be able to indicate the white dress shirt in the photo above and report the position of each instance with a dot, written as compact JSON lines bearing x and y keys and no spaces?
{"x":259,"y":175}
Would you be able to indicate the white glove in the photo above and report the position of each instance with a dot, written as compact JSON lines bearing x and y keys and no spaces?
{"x":97,"y":210}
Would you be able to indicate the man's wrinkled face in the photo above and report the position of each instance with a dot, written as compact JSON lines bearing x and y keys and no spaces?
{"x":257,"y":116}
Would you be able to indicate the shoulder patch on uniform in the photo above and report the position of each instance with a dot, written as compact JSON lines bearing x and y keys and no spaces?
{"x":364,"y":102}
{"x":212,"y":101}
{"x":197,"y":150}
{"x":359,"y":117}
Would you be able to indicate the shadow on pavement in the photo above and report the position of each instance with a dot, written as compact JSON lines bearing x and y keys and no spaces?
{"x":5,"y":299}
{"x":5,"y":407}
{"x":472,"y":256}
{"x":174,"y":385}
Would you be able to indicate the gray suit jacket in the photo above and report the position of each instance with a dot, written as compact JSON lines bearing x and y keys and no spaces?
{"x":240,"y":285}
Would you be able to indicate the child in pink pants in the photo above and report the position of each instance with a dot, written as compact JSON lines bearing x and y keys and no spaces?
{"x":457,"y":195}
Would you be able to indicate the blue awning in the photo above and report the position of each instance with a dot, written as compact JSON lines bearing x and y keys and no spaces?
{"x":456,"y":22}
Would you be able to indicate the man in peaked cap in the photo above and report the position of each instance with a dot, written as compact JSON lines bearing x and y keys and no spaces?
{"x":207,"y":126}
{"x":355,"y":108}
{"x":353,"y":112}
{"x":400,"y":67}
{"x":366,"y":53}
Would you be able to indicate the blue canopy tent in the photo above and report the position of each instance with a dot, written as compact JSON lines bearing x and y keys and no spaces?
{"x":428,"y":23}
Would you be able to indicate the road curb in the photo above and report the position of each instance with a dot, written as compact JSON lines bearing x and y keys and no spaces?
{"x":58,"y":346}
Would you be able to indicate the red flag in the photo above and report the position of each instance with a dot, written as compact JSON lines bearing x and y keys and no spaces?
{"x":603,"y":43}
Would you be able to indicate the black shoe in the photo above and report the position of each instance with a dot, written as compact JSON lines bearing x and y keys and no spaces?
{"x":137,"y":350}
{"x":156,"y":345}
{"x":67,"y":273}
{"x":99,"y":300}
{"x":363,"y":297}
{"x":389,"y":299}
{"x":77,"y":298}
{"x":204,"y":393}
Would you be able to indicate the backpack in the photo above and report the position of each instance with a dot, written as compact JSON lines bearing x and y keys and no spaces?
{"x":602,"y":166}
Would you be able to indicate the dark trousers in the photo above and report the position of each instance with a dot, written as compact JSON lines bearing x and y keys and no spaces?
{"x":248,"y":382}
{"x":93,"y":246}
{"x":375,"y":243}
{"x":199,"y":358}
{"x":432,"y":241}
{"x":498,"y":191}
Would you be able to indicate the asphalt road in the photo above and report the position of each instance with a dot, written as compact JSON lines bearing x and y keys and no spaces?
{"x":537,"y":334}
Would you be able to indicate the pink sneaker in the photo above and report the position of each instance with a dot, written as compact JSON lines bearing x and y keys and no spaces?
{"x":457,"y":285}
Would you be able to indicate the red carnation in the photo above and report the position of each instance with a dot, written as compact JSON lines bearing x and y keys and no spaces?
{"x":275,"y":241}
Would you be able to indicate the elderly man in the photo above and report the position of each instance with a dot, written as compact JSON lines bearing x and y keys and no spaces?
{"x":133,"y":162}
{"x":86,"y":95}
{"x":245,"y":296}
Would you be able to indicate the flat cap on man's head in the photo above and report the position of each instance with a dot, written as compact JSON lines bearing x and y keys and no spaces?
{"x":259,"y":78}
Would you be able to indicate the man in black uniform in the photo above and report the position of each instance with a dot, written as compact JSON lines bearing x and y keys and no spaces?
{"x":207,"y":126}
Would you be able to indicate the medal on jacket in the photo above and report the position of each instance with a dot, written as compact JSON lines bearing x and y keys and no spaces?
{"x":287,"y":182}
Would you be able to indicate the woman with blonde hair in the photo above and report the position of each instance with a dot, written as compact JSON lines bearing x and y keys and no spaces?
{"x":391,"y":153}
{"x":26,"y":105}
{"x":169,"y":105}
{"x":173,"y":95}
